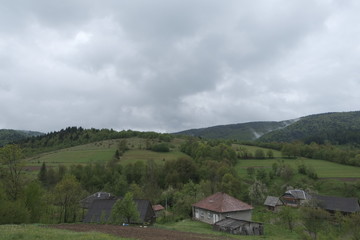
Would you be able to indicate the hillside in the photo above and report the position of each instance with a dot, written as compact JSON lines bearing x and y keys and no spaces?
{"x":9,"y":135}
{"x":241,"y":131}
{"x":336,"y":128}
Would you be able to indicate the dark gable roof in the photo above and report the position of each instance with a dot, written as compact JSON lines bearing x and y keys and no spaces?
{"x":100,"y":210}
{"x":331,"y":203}
{"x":272,"y":201}
{"x":233,"y":223}
{"x":221,"y":202}
{"x":86,"y":203}
{"x":297,"y":194}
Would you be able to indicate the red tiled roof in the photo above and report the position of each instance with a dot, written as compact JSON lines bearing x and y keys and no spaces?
{"x":221,"y":202}
{"x":158,"y":207}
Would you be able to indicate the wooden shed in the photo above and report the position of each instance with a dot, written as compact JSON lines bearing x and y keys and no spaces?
{"x":273,"y":203}
{"x":239,"y":227}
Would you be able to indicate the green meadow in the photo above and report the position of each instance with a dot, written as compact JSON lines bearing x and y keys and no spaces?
{"x":33,"y":232}
{"x":324,"y":169}
{"x":101,"y":152}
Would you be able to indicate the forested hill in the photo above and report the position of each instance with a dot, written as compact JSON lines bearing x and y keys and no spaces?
{"x":73,"y":136}
{"x":241,"y":131}
{"x":336,"y":128}
{"x":9,"y":135}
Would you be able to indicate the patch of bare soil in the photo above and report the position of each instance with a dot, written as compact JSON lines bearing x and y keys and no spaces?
{"x":137,"y":232}
{"x":349,"y":179}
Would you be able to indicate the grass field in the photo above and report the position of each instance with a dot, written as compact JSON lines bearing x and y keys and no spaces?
{"x":33,"y":232}
{"x":323,"y":168}
{"x":101,"y":152}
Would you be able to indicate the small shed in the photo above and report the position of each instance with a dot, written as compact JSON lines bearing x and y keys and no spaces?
{"x":159,"y":210}
{"x":239,"y":227}
{"x":273,"y":203}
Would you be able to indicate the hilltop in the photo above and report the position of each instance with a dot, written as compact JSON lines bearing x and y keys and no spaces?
{"x":10,"y":135}
{"x":336,"y":128}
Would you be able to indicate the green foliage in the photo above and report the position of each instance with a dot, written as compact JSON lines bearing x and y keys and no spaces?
{"x":257,"y":192}
{"x":11,"y":158}
{"x":13,"y":212}
{"x":125,"y":210}
{"x":10,"y":136}
{"x":336,"y":128}
{"x":288,"y":217}
{"x":67,"y":194}
{"x":242,"y":131}
{"x":161,"y":147}
{"x":314,"y":220}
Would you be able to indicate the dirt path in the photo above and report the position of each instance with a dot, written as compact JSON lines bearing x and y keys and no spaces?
{"x":149,"y":233}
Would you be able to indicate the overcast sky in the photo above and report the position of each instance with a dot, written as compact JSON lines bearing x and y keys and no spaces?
{"x":171,"y":65}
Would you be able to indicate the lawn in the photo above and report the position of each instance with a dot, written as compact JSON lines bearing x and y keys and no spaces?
{"x":323,"y":168}
{"x":32,"y":232}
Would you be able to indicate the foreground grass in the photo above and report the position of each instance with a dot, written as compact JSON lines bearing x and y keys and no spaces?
{"x":32,"y":232}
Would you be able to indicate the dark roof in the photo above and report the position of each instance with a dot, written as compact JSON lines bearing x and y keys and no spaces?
{"x":221,"y":202}
{"x":100,"y":210}
{"x":331,"y":203}
{"x":86,"y":202}
{"x":298,"y":194}
{"x":272,"y":201}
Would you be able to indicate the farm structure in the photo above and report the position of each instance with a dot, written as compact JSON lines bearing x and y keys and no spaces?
{"x":295,"y":198}
{"x":273,"y":203}
{"x":219,"y":206}
{"x":239,"y":227}
{"x":159,"y":210}
{"x":337,"y":204}
{"x":100,"y":211}
{"x":86,"y":202}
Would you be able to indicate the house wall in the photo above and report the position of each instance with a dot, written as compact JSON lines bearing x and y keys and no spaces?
{"x":211,"y":217}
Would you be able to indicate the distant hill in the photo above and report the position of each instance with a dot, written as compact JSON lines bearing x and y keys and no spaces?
{"x":241,"y":131}
{"x":10,"y":135}
{"x":336,"y":128}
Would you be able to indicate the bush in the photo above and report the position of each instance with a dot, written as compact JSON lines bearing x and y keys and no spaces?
{"x":161,"y":147}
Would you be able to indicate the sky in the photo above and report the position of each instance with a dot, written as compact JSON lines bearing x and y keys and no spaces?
{"x":172,"y":65}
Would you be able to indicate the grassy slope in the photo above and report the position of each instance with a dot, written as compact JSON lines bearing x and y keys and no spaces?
{"x":323,"y":168}
{"x":104,"y":151}
{"x":32,"y":232}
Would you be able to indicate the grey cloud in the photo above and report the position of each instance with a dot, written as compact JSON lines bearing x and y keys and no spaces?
{"x":171,"y":65}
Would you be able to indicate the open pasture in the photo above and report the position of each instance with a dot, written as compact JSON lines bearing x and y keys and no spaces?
{"x":323,"y":168}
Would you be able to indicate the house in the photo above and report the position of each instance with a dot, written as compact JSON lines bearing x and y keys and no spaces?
{"x":239,"y":227}
{"x":86,"y":203}
{"x":295,"y":198}
{"x":219,"y":206}
{"x":273,"y":203}
{"x":337,"y":204}
{"x":159,"y":210}
{"x":100,"y":211}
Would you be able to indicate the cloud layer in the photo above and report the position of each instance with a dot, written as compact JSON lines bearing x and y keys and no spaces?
{"x":172,"y":65}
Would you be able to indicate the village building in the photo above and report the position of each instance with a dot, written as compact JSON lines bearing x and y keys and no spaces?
{"x":86,"y":202}
{"x":159,"y":210}
{"x":273,"y":203}
{"x":219,"y":206}
{"x":100,"y":211}
{"x":295,"y":198}
{"x":239,"y":227}
{"x":337,"y":204}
